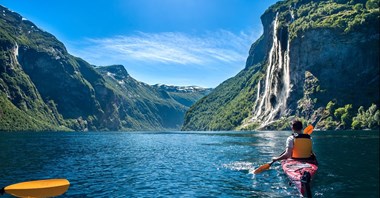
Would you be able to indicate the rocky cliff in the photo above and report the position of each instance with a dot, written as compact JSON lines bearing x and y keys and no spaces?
{"x":312,"y":55}
{"x":43,"y":87}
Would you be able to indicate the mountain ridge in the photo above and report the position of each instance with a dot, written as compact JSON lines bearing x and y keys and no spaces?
{"x":44,"y":88}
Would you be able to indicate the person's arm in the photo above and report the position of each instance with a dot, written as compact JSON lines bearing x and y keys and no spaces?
{"x":287,"y":154}
{"x":288,"y":150}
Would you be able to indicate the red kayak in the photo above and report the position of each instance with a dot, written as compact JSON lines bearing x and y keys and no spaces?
{"x":300,"y":173}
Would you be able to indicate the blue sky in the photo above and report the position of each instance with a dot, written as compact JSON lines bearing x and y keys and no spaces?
{"x":174,"y":42}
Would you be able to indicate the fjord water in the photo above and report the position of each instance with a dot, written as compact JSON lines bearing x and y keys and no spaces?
{"x":187,"y":164}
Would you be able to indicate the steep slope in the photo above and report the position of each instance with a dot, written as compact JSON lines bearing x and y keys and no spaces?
{"x":43,"y":87}
{"x":22,"y":106}
{"x":311,"y":54}
{"x":55,"y":75}
{"x":140,"y":101}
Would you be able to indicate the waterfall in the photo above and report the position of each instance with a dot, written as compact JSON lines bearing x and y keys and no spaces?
{"x":15,"y":52}
{"x":14,"y":60}
{"x":258,"y":92}
{"x":271,"y":102}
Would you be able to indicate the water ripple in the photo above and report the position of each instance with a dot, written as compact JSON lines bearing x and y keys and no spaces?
{"x":184,"y":164}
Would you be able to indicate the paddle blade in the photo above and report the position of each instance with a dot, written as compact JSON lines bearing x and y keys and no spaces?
{"x":261,"y":168}
{"x":39,"y":188}
{"x":308,"y":130}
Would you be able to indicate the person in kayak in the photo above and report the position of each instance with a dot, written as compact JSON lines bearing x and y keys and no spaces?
{"x":298,"y":145}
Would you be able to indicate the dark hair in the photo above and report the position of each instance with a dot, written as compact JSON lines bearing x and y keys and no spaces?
{"x":297,"y":125}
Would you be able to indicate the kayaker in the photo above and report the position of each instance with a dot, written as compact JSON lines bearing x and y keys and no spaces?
{"x":298,"y":145}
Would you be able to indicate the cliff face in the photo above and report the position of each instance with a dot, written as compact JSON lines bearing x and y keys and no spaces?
{"x":43,"y":87}
{"x":22,"y":106}
{"x":311,"y":53}
{"x":347,"y":66}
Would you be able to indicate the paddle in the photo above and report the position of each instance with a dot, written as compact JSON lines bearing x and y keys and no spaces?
{"x":38,"y":188}
{"x":307,"y":130}
{"x":263,"y":168}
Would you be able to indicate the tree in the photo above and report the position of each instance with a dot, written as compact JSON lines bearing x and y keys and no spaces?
{"x":366,"y":119}
{"x":358,"y":7}
{"x":344,"y":115}
{"x":372,"y":4}
{"x":330,"y":107}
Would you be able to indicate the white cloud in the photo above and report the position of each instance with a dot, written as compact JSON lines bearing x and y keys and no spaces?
{"x":210,"y":48}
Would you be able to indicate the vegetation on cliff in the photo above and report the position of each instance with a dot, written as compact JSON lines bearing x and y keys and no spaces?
{"x":227,"y":106}
{"x":341,"y":15}
{"x":346,"y":118}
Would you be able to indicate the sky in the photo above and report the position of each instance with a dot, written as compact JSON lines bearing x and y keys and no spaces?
{"x":173,"y":42}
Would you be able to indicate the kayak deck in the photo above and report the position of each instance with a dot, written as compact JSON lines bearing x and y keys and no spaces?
{"x":300,"y":173}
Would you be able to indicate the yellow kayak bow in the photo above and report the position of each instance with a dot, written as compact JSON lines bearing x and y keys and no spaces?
{"x":38,"y":188}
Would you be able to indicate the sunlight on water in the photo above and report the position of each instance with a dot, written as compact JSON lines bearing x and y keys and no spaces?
{"x":239,"y":166}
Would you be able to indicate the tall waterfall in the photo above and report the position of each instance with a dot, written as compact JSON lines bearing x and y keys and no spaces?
{"x":271,"y":101}
{"x":14,"y":60}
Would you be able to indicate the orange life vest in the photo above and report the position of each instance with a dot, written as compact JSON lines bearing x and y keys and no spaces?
{"x":302,"y":147}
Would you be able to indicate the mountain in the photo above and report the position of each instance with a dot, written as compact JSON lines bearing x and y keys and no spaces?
{"x":43,"y":87}
{"x":317,"y":61}
{"x":185,"y":95}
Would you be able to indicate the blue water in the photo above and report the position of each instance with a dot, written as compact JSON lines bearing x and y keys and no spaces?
{"x":187,"y":164}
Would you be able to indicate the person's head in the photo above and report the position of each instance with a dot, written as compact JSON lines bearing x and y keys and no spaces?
{"x":296,"y":125}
